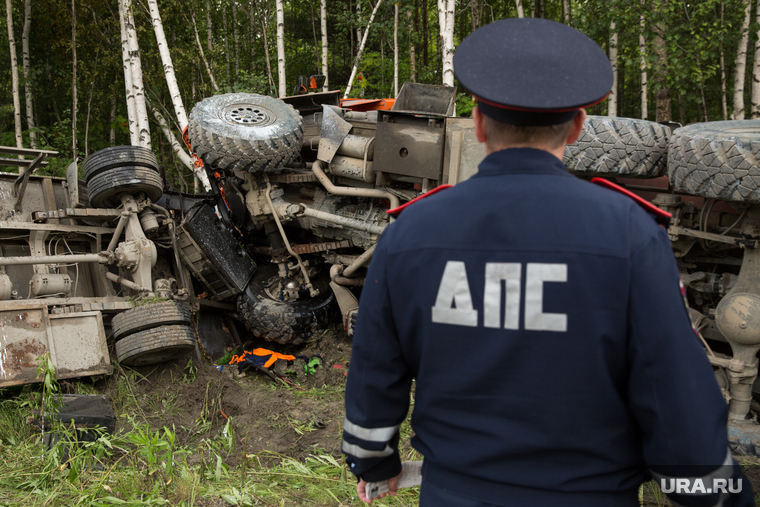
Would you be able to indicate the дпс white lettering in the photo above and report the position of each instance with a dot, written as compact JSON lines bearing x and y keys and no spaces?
{"x":453,"y":303}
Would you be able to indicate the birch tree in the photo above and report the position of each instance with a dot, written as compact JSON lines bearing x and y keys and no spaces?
{"x":203,"y":56}
{"x":723,"y":94}
{"x":14,"y":76}
{"x":135,"y":66}
{"x":741,"y":64}
{"x":412,"y":52}
{"x":235,"y":38}
{"x":643,"y":54}
{"x":756,"y":73}
{"x":226,"y":43}
{"x":323,"y":25}
{"x":395,"y":50}
{"x":74,"y":79}
{"x":520,"y":10}
{"x":612,"y":100}
{"x":134,"y":136}
{"x":361,"y":50}
{"x":166,"y":60}
{"x":208,"y":27}
{"x":281,"y":49}
{"x":27,"y":71}
{"x":662,"y":93}
{"x":446,"y":19}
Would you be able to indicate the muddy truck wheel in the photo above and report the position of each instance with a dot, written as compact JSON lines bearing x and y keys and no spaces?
{"x":105,"y":188}
{"x":244,"y":131}
{"x":626,"y":147}
{"x":118,"y":156}
{"x":283,"y":321}
{"x":717,"y":160}
{"x":150,"y":316}
{"x":155,"y":345}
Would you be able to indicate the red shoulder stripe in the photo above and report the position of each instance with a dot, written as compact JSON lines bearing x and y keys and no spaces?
{"x":397,"y":211}
{"x":661,"y":216}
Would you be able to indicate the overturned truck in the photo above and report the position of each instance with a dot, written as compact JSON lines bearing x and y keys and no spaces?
{"x":300,"y":190}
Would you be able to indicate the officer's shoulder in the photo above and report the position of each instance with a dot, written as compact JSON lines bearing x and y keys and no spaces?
{"x":625,"y":196}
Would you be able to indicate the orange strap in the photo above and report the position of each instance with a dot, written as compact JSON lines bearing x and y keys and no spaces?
{"x":197,"y":162}
{"x":262,"y":352}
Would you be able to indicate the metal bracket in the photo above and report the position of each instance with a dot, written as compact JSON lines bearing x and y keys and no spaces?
{"x":23,"y":179}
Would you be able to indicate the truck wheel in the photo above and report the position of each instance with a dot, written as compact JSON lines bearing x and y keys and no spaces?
{"x":118,"y":156}
{"x":244,"y":131}
{"x":619,"y":147}
{"x":104,"y":188}
{"x":150,"y":316}
{"x":283,"y":321}
{"x":155,"y":345}
{"x":717,"y":160}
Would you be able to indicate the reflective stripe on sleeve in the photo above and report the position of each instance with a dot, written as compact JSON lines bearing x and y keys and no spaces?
{"x":370,"y":434}
{"x":361,"y":453}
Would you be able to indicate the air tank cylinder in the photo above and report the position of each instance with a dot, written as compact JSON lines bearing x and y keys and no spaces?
{"x":6,"y":287}
{"x":49,"y":284}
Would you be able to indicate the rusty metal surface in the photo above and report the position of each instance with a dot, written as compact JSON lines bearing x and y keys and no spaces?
{"x":108,"y":214}
{"x":305,"y":249}
{"x":409,"y":145}
{"x":76,"y":343}
{"x":462,"y":153}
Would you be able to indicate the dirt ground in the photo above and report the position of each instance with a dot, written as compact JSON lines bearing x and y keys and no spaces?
{"x":197,"y":400}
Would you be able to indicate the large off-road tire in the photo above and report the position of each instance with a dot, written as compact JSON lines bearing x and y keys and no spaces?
{"x":105,"y":188}
{"x":286,"y":322}
{"x":118,"y":156}
{"x":244,"y":131}
{"x":155,"y":345}
{"x":150,"y":316}
{"x":717,"y":160}
{"x":626,"y":147}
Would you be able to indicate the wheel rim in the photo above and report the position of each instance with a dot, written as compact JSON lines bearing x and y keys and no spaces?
{"x":248,"y":115}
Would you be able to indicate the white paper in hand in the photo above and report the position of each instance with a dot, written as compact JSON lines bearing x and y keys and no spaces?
{"x":412,"y":476}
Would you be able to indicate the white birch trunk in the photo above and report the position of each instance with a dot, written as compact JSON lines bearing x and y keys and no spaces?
{"x":395,"y":51}
{"x":166,"y":60}
{"x":359,"y":20}
{"x":756,"y":74}
{"x":412,"y":49}
{"x":446,"y":20}
{"x":520,"y":11}
{"x":74,"y":79}
{"x":134,"y":136}
{"x":203,"y":56}
{"x":612,"y":100}
{"x":14,"y":77}
{"x":208,"y":27}
{"x":741,"y":64}
{"x":143,"y":127}
{"x":112,"y":119}
{"x":323,"y":23}
{"x":282,"y":83}
{"x":235,"y":40}
{"x":27,"y":69}
{"x":723,"y":94}
{"x":226,"y":38}
{"x":643,"y":51}
{"x":187,"y":161}
{"x":361,"y":50}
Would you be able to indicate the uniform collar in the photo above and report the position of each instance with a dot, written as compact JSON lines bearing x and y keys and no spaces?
{"x":521,"y":161}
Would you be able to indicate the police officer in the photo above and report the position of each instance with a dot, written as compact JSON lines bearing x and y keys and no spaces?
{"x":540,"y":315}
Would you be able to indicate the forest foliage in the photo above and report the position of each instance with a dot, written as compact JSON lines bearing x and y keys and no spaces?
{"x":697,"y":36}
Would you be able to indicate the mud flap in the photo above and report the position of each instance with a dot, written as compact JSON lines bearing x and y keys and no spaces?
{"x":348,"y":304}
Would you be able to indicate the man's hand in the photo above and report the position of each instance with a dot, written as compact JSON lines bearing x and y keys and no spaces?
{"x":361,"y":488}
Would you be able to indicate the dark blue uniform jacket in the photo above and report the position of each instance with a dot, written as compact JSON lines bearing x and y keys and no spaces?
{"x":543,"y":321}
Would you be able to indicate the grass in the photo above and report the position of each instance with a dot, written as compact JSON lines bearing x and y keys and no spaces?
{"x":147,"y":466}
